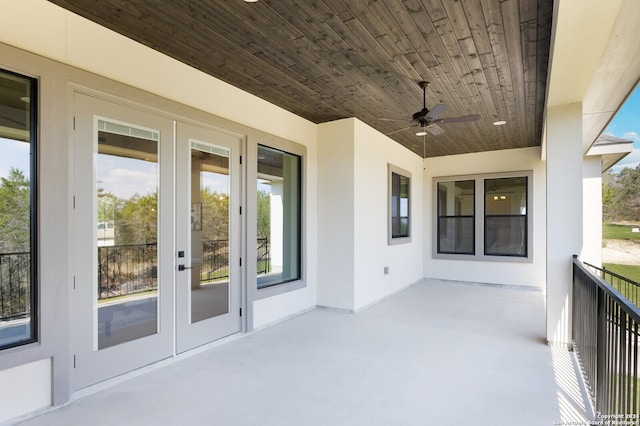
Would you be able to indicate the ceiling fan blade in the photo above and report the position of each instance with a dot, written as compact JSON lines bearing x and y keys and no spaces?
{"x":393,"y":119}
{"x":436,"y":112}
{"x":464,"y":118}
{"x":434,"y":129}
{"x":400,"y":130}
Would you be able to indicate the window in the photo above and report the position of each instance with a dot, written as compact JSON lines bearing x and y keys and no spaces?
{"x":399,"y":205}
{"x":18,"y":105}
{"x":505,"y":217}
{"x":495,"y":226}
{"x":279,"y":215}
{"x":456,"y":217}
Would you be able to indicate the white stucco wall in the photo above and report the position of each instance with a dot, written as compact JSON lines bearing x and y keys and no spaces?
{"x":565,"y":216}
{"x":528,"y":274}
{"x":24,"y":389}
{"x":592,"y":211}
{"x":59,"y":48}
{"x":373,"y":153}
{"x":336,"y":246}
{"x":352,"y":237}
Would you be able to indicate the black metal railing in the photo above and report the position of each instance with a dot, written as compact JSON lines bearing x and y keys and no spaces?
{"x":628,"y":287}
{"x":127,"y":269}
{"x":15,"y":285}
{"x":264,"y":256}
{"x":215,"y":260}
{"x":122,"y":270}
{"x":605,"y":337}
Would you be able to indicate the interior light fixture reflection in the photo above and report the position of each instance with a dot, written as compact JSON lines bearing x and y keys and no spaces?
{"x":499,"y":123}
{"x":421,"y":133}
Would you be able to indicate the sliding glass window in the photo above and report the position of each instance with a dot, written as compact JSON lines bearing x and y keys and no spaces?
{"x":18,"y":309}
{"x":279,"y":201}
{"x":505,"y":217}
{"x":456,"y":217}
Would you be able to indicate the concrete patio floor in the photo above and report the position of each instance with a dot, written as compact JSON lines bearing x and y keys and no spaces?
{"x":439,"y":353}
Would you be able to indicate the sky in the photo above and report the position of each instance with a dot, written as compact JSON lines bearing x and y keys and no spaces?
{"x":626,"y":125}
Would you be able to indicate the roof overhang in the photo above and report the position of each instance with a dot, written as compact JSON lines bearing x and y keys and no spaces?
{"x":611,"y":149}
{"x":594,"y":60}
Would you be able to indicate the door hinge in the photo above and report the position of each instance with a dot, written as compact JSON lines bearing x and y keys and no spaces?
{"x":74,"y":122}
{"x":240,"y":261}
{"x":241,"y":159}
{"x":74,"y":361}
{"x":74,"y":201}
{"x":240,"y":311}
{"x":240,"y":209}
{"x":74,"y":282}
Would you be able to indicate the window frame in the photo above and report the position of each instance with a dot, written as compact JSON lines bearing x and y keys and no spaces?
{"x":480,"y":218}
{"x":525,"y":215}
{"x":462,"y":216}
{"x":400,"y":239}
{"x":33,"y":210}
{"x":297,"y":222}
{"x":255,"y":293}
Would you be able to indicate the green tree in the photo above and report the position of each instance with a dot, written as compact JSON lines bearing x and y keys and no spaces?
{"x":264,"y":214}
{"x":621,"y":195}
{"x":15,"y":212}
{"x":137,"y":219}
{"x":215,"y":215}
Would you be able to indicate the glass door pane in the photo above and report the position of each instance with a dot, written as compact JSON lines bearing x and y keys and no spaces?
{"x":208,"y":231}
{"x":210,"y":192}
{"x":126,"y":195}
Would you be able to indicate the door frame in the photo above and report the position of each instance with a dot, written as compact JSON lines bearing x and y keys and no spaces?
{"x":173,"y":112}
{"x":190,"y":335}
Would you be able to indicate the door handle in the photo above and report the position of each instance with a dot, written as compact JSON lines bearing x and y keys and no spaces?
{"x":182,"y":267}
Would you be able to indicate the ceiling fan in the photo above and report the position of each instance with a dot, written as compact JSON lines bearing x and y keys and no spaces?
{"x":428,"y":119}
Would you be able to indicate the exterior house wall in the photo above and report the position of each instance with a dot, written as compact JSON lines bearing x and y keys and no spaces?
{"x":373,"y":153}
{"x":526,"y":274}
{"x":336,"y":192}
{"x":65,"y":52}
{"x":592,"y":210}
{"x":345,"y":242}
{"x":352,"y":237}
{"x":565,"y":222}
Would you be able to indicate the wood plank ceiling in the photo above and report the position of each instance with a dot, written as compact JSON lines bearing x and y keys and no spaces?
{"x":330,"y":59}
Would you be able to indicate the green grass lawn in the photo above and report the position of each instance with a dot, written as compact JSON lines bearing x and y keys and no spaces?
{"x":612,"y":231}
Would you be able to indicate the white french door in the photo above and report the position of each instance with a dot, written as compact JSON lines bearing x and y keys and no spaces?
{"x":208,"y":231}
{"x":156,"y":238}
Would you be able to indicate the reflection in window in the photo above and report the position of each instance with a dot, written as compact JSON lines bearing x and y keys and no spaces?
{"x":18,"y":106}
{"x":279,"y":202}
{"x":505,"y":222}
{"x":399,"y":206}
{"x":456,"y":216}
{"x":210,"y":195}
{"x":127,"y":176}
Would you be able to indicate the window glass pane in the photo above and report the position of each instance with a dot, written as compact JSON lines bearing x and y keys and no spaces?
{"x":210,"y":193}
{"x":506,"y":217}
{"x":279,"y":201}
{"x":17,"y":217}
{"x":399,"y":206}
{"x":456,"y":211}
{"x":127,"y":176}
